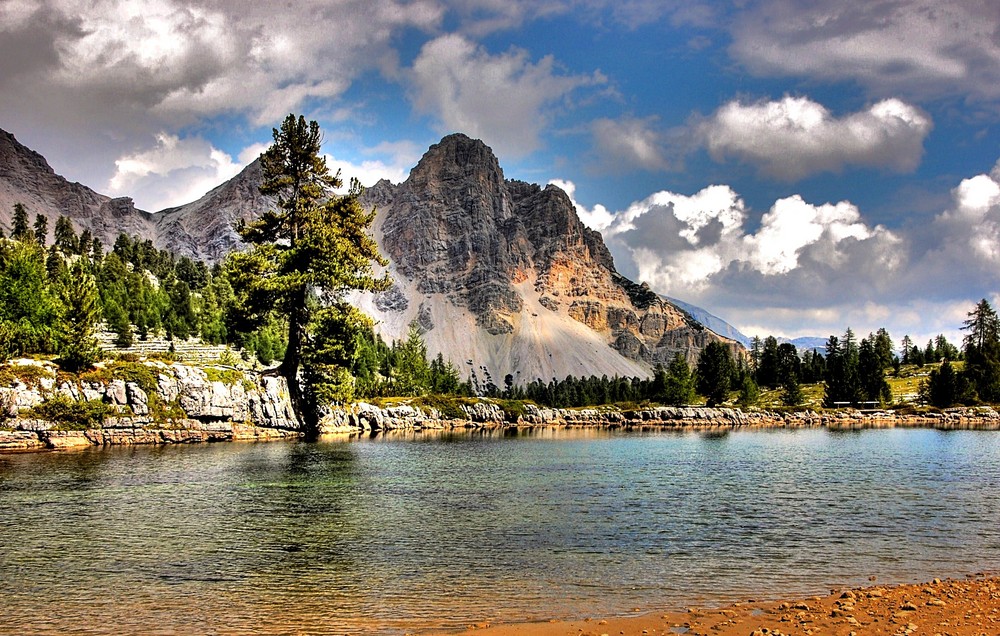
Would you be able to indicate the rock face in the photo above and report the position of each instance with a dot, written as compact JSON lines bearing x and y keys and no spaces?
{"x":184,"y":406}
{"x":204,"y":229}
{"x":503,"y":275}
{"x":25,"y":177}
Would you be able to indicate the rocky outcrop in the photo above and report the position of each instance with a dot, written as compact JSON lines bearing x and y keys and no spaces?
{"x":184,"y":405}
{"x":363,"y":417}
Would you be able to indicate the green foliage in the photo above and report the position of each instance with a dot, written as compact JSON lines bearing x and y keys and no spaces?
{"x":28,"y":307}
{"x":715,"y":373}
{"x":749,"y":392}
{"x":229,"y":377}
{"x":65,"y":236}
{"x":71,"y":414}
{"x":982,"y":352}
{"x":143,"y":375}
{"x":41,"y":229}
{"x":162,"y":413}
{"x":449,"y":407}
{"x":311,"y":242}
{"x":945,"y":387}
{"x":78,"y":347}
{"x":791,"y":392}
{"x":678,"y":384}
{"x":28,"y":374}
{"x":19,"y":224}
{"x":229,"y":358}
{"x":513,"y":410}
{"x":267,"y":343}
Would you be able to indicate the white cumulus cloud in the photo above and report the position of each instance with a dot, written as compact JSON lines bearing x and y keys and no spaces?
{"x":390,"y":160}
{"x":796,"y":137}
{"x":629,"y":142}
{"x":503,"y":99}
{"x":173,"y":172}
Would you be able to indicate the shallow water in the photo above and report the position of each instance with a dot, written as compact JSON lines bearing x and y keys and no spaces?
{"x":418,"y":531}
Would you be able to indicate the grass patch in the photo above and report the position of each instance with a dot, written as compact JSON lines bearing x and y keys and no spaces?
{"x":125,"y":356}
{"x":229,"y":377}
{"x":163,"y":412}
{"x":512,"y":409}
{"x":69,"y":414}
{"x":163,"y":356}
{"x":136,"y":372}
{"x":29,"y":374}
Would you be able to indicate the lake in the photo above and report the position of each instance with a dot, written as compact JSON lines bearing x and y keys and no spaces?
{"x":421,"y":531}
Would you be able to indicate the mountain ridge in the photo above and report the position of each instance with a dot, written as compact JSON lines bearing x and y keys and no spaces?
{"x":499,"y":275}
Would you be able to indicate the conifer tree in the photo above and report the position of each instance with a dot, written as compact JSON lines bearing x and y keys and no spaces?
{"x":19,"y":224}
{"x":749,"y":392}
{"x":65,"y":236}
{"x":78,"y":348}
{"x":41,"y":229}
{"x":715,"y":373}
{"x":314,"y":246}
{"x":982,"y":351}
{"x":791,"y":392}
{"x":679,"y":384}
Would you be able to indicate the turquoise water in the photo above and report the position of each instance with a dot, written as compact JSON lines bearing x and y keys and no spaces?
{"x":427,"y":531}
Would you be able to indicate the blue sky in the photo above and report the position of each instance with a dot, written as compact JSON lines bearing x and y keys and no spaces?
{"x":794,"y":167}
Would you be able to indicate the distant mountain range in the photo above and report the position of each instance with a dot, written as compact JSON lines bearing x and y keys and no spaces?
{"x":499,"y":275}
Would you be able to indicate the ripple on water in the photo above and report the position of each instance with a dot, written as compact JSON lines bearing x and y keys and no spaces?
{"x":390,"y":534}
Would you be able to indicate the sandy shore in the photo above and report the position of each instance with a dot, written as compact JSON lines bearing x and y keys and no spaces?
{"x":946,"y":608}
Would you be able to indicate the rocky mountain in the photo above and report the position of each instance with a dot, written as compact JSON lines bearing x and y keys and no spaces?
{"x":713,"y":322}
{"x":503,"y":275}
{"x":25,"y":177}
{"x":203,"y":229}
{"x":500,"y":276}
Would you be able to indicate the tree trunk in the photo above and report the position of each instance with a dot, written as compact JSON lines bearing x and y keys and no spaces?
{"x":290,"y":365}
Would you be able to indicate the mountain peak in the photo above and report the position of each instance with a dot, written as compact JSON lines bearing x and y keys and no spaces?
{"x":458,"y":156}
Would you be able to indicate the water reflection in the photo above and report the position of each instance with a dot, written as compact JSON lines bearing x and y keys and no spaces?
{"x":409,"y":530}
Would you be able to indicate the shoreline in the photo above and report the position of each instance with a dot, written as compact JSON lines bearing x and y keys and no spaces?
{"x":31,"y":435}
{"x":949,"y":607}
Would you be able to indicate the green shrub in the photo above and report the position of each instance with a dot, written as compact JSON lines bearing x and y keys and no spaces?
{"x":229,"y":358}
{"x":70,"y":414}
{"x":29,"y":374}
{"x":449,"y":407}
{"x":164,"y":356}
{"x":98,"y":376}
{"x":136,"y":372}
{"x":163,"y":412}
{"x":229,"y":377}
{"x":512,"y":409}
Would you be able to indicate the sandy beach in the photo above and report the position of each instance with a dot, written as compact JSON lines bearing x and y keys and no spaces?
{"x":968,"y":607}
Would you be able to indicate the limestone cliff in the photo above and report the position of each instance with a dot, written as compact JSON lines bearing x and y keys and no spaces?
{"x":145,"y":403}
{"x":503,"y":276}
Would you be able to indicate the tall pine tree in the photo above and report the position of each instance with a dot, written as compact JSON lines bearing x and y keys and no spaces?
{"x":304,"y":254}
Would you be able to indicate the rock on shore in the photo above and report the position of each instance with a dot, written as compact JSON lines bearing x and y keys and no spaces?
{"x":940,"y":608}
{"x":487,"y":414}
{"x":187,"y":405}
